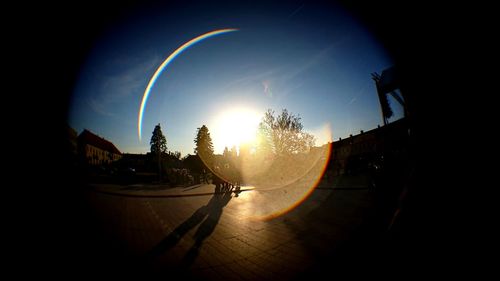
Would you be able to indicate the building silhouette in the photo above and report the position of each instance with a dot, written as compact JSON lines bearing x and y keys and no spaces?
{"x":95,"y":150}
{"x":363,"y":151}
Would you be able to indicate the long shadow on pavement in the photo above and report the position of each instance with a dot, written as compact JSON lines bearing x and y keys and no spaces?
{"x":218,"y":202}
{"x":208,"y":215}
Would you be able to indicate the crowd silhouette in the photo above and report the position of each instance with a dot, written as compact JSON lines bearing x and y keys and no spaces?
{"x":227,"y":178}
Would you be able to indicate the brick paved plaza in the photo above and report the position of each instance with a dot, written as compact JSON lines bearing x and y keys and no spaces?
{"x":192,"y":232}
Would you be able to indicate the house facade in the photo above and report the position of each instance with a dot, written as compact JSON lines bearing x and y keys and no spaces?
{"x":95,"y":150}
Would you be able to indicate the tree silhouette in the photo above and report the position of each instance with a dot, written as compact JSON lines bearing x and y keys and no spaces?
{"x":204,"y":146}
{"x":263,"y":147}
{"x":283,"y":134}
{"x":158,"y":145}
{"x":234,"y":151}
{"x":176,"y":155}
{"x":226,"y":153}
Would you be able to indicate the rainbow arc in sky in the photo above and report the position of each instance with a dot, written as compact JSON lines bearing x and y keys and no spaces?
{"x":165,"y":63}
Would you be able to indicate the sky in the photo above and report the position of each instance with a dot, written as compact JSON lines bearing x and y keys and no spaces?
{"x":315,"y":60}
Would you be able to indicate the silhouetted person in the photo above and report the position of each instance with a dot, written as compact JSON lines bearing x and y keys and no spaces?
{"x":226,"y":173}
{"x":216,"y":179}
{"x":237,"y":190}
{"x":236,"y":176}
{"x":232,"y":175}
{"x":204,"y":177}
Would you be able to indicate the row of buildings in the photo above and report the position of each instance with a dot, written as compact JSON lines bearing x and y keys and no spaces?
{"x":367,"y":149}
{"x":349,"y":155}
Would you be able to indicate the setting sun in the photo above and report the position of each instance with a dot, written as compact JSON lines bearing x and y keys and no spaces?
{"x":234,"y":127}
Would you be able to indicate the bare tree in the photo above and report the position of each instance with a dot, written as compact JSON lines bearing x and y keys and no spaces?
{"x":283,"y":134}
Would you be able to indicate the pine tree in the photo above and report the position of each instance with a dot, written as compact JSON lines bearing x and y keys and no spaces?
{"x":158,"y":146}
{"x":204,"y":147}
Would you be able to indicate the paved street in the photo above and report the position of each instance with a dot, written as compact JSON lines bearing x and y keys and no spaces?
{"x":192,"y":232}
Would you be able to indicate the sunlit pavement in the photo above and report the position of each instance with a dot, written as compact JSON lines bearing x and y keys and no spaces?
{"x":223,"y":236}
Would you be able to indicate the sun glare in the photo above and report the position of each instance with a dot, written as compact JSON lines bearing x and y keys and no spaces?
{"x":235,"y":127}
